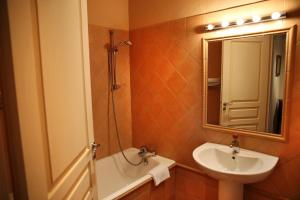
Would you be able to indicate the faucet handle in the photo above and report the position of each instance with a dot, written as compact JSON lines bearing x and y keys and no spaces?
{"x":143,"y":149}
{"x":235,"y":136}
{"x":235,"y":141}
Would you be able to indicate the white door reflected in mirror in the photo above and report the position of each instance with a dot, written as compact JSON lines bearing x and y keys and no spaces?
{"x":245,"y":82}
{"x":251,"y":88}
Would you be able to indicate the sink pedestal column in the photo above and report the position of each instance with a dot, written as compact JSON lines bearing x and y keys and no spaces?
{"x":229,"y":190}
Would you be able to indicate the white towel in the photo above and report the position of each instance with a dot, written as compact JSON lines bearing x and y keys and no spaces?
{"x":159,"y":174}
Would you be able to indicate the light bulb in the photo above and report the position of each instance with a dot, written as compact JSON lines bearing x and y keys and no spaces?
{"x":240,"y":21}
{"x":210,"y":27}
{"x":276,"y":15}
{"x":224,"y":24}
{"x":256,"y":18}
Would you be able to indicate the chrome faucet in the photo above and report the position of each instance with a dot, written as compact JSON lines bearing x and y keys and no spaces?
{"x":235,"y":145}
{"x":144,"y":153}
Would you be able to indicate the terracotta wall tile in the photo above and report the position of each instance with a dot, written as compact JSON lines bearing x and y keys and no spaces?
{"x":166,"y":189}
{"x":166,"y":87}
{"x":177,"y":55}
{"x":183,"y":196}
{"x":190,"y":183}
{"x":256,"y":194}
{"x":142,"y":193}
{"x":193,"y":185}
{"x":176,"y":82}
{"x":211,"y":189}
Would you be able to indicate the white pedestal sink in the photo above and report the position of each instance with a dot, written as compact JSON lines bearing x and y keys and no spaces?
{"x":248,"y":167}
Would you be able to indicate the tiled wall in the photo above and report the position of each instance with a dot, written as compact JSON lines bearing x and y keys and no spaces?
{"x":104,"y":126}
{"x":192,"y":185}
{"x":166,"y":90}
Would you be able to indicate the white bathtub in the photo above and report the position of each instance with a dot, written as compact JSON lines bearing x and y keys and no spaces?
{"x":116,"y":178}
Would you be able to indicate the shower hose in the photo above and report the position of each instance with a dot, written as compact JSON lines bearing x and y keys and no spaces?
{"x":112,"y":63}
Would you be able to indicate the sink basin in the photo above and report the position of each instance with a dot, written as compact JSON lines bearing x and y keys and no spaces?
{"x":246,"y":167}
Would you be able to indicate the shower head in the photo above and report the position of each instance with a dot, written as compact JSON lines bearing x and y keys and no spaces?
{"x":125,"y":43}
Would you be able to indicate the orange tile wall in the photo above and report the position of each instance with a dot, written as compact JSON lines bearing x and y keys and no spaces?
{"x":193,"y":185}
{"x":166,"y":93}
{"x":104,"y":126}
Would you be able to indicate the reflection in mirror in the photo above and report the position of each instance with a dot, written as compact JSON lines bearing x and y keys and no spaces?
{"x":246,"y":81}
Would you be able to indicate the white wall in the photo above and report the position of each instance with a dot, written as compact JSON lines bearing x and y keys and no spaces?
{"x":109,"y":13}
{"x":147,"y":12}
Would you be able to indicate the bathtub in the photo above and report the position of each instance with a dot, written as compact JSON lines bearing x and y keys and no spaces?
{"x":116,"y":178}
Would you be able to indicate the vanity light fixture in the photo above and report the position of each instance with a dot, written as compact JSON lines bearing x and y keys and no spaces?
{"x":240,"y":21}
{"x":256,"y":18}
{"x":210,"y":27}
{"x":224,"y":24}
{"x":245,"y":21}
{"x":276,"y":15}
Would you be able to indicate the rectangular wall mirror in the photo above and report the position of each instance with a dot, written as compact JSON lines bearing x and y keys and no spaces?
{"x":245,"y":83}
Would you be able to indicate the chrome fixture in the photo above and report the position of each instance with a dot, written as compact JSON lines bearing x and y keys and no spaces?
{"x":114,"y":48}
{"x":112,"y":51}
{"x":125,"y":43}
{"x":144,"y":153}
{"x":240,"y":21}
{"x":235,"y":145}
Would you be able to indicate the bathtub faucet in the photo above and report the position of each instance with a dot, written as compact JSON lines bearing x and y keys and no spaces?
{"x":144,"y":153}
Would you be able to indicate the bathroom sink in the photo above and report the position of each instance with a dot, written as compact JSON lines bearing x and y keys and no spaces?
{"x":247,"y":167}
{"x":233,"y":171}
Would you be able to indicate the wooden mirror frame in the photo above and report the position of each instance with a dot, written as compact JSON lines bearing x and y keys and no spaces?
{"x":289,"y":54}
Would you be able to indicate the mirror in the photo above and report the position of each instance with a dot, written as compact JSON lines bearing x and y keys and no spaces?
{"x":245,"y":82}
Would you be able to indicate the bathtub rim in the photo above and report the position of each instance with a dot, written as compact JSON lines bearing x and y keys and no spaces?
{"x":137,"y":183}
{"x":149,"y":179}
